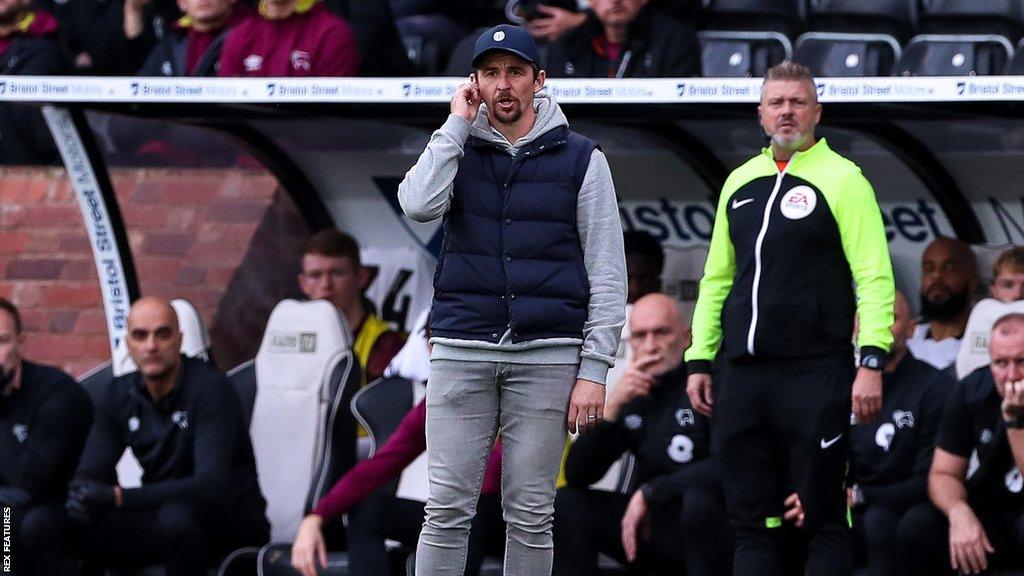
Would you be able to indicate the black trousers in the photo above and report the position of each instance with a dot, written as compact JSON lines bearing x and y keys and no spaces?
{"x":778,"y":425}
{"x":185,"y":538}
{"x":693,"y":533}
{"x":923,"y":540}
{"x":874,"y":536}
{"x":382,"y":517}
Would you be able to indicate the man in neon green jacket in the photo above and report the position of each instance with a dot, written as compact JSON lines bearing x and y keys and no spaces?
{"x":797,"y":250}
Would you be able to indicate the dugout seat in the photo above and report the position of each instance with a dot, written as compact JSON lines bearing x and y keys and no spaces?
{"x":843,"y":54}
{"x":897,"y":18}
{"x":784,"y":16}
{"x":1002,"y":17}
{"x":739,"y":54}
{"x":954,"y":55}
{"x":298,"y":389}
{"x":973,"y":351}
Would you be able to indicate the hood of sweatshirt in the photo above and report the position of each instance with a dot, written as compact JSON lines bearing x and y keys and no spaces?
{"x":549,"y":117}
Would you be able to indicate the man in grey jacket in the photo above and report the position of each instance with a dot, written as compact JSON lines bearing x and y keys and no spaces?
{"x":529,"y":299}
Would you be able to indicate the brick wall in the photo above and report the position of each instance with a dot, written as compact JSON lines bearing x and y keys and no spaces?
{"x":226,"y":239}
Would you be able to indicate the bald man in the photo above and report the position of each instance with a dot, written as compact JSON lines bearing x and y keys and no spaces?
{"x":890,"y":456}
{"x":975,"y":521}
{"x":183,"y":420}
{"x":949,"y":283}
{"x":677,"y":515}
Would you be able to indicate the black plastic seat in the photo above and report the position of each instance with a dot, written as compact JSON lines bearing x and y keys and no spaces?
{"x":1002,"y":17}
{"x":837,"y":54}
{"x":1016,"y":65}
{"x":955,"y":55}
{"x":727,"y":54}
{"x":785,"y":16}
{"x":897,"y":18}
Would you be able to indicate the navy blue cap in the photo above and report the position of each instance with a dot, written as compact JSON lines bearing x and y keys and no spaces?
{"x":507,"y":38}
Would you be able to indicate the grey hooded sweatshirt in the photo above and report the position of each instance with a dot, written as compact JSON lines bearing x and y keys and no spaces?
{"x":426,"y":194}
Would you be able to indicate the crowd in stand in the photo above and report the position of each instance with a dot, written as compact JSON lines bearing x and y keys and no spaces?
{"x":932,"y":476}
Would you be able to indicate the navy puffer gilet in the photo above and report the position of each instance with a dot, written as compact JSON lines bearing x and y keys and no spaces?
{"x":511,"y":258}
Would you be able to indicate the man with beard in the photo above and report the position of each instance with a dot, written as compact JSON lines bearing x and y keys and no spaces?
{"x":949,"y":281}
{"x":44,"y":419}
{"x":183,"y":420}
{"x":529,"y":299}
{"x":797,"y":249}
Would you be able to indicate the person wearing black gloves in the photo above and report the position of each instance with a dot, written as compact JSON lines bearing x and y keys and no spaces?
{"x":891,"y":456}
{"x":44,"y":419}
{"x":677,"y":515}
{"x":183,"y":421}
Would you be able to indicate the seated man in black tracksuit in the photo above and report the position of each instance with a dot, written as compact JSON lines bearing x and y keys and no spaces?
{"x":44,"y":419}
{"x":891,"y":455}
{"x":975,"y":520}
{"x":625,"y":40}
{"x":677,"y":516}
{"x":183,"y":421}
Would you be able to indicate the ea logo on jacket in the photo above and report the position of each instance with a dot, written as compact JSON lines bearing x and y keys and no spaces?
{"x":798,"y":202}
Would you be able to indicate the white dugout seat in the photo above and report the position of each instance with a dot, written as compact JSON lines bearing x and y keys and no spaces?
{"x":297,"y":390}
{"x":973,"y":352}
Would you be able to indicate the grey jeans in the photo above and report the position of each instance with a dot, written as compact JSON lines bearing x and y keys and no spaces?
{"x":467,"y":404}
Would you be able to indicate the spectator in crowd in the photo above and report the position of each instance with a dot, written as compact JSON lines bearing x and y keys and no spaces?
{"x":183,"y":420}
{"x":192,"y":47}
{"x":528,"y":303}
{"x":626,"y":39}
{"x":890,"y":456}
{"x":44,"y":420}
{"x":332,"y":270}
{"x":949,"y":281}
{"x":1008,"y":275}
{"x":677,"y":516}
{"x":290,"y":38}
{"x":645,"y":260}
{"x":374,"y":516}
{"x":975,"y":482}
{"x":549,"y":20}
{"x":29,"y":46}
{"x":91,"y":35}
{"x":797,"y":249}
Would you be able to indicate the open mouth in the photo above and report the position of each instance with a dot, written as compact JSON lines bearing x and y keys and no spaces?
{"x":506,"y":103}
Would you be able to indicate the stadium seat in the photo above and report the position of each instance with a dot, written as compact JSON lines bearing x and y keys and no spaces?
{"x":300,"y":385}
{"x":785,"y":16}
{"x":840,"y":54}
{"x":1016,"y":65}
{"x":973,"y":352}
{"x":1003,"y":17}
{"x":897,"y":18}
{"x":954,"y":55}
{"x":727,"y":54}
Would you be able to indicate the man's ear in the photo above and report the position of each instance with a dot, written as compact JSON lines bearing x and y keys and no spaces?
{"x":364,"y":278}
{"x":538,"y":82}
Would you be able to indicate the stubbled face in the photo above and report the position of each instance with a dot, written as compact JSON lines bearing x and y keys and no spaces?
{"x":947,"y":280}
{"x":656,"y":328}
{"x":507,"y":86}
{"x":154,"y":339}
{"x":1006,"y":353}
{"x":336,"y":279}
{"x":1008,"y":285}
{"x":789,"y":112}
{"x":617,"y":13}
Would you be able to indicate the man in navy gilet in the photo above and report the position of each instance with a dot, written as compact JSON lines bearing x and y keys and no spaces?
{"x":529,"y":299}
